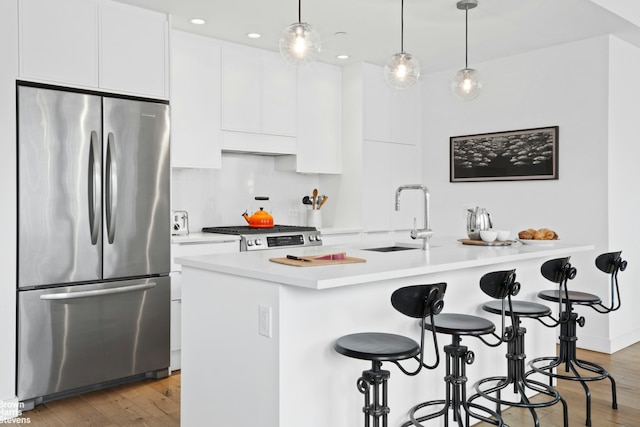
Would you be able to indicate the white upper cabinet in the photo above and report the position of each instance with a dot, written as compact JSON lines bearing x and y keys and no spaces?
{"x":258,"y":101}
{"x":259,"y":91}
{"x":94,"y":44}
{"x":59,"y":41}
{"x":319,"y":148}
{"x":133,"y":50}
{"x":195,"y":101}
{"x":389,"y":115}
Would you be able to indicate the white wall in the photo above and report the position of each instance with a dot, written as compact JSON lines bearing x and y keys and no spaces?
{"x":215,"y":197}
{"x":624,"y":203}
{"x":566,"y":86}
{"x":8,"y":73}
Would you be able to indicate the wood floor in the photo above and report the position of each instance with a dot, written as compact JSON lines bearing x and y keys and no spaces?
{"x":156,"y":403}
{"x":146,"y":403}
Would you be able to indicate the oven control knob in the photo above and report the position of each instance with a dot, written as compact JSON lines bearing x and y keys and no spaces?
{"x":258,"y":242}
{"x":312,"y":237}
{"x":249,"y":242}
{"x":318,"y":238}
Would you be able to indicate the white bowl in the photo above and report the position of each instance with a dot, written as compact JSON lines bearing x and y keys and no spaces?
{"x":503,"y":234}
{"x":488,"y":235}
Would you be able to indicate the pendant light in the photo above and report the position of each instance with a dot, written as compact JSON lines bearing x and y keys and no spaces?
{"x":403,"y":69}
{"x":466,"y":84}
{"x":300,"y":42}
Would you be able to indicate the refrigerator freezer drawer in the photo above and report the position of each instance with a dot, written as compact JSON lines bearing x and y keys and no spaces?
{"x":78,"y":336}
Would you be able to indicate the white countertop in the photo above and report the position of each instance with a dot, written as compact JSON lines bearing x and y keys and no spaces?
{"x":445,"y":254}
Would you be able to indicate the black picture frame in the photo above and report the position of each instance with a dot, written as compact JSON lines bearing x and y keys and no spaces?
{"x":525,"y":154}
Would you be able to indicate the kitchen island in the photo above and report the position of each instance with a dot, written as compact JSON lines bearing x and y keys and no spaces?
{"x":257,"y":336}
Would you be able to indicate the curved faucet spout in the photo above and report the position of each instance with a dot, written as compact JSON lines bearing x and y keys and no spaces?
{"x":425,"y":233}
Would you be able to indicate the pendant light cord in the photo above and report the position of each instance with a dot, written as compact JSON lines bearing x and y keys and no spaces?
{"x":299,"y":11}
{"x":402,"y":26}
{"x":466,"y":37}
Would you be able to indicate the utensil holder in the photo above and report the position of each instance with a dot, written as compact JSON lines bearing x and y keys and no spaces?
{"x":314,"y":218}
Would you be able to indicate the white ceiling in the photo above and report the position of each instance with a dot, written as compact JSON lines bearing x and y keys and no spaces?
{"x":433,"y":29}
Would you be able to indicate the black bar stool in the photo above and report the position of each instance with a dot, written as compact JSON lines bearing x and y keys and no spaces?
{"x":501,"y":286}
{"x":560,"y":271}
{"x":420,"y":302}
{"x":458,"y":356}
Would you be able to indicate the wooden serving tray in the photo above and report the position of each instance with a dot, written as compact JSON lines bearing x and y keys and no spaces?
{"x":483,"y":243}
{"x":316,"y":262}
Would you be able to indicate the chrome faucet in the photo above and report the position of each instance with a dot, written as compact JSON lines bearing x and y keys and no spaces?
{"x":425,"y":233}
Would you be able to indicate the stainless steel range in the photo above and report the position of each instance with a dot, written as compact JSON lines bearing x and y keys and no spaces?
{"x":278,"y":236}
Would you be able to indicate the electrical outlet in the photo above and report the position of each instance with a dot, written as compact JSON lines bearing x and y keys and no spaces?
{"x":264,"y":321}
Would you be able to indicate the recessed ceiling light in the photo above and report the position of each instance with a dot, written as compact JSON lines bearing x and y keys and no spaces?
{"x":254,"y":35}
{"x":343,"y":56}
{"x":198,"y":21}
{"x":340,"y":34}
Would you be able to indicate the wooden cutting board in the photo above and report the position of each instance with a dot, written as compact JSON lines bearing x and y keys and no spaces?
{"x":317,"y":262}
{"x":483,"y":243}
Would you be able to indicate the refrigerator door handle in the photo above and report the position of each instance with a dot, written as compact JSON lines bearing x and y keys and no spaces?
{"x":98,"y":292}
{"x":111,"y":187}
{"x":95,"y":194}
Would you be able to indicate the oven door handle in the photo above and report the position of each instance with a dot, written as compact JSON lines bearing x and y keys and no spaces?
{"x":97,"y":292}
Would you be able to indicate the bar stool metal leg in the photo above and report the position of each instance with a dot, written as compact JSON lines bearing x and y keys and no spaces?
{"x":568,"y":362}
{"x":458,"y":356}
{"x":375,"y":404}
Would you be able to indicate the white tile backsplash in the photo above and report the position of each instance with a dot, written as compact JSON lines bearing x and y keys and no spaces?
{"x":215,"y":197}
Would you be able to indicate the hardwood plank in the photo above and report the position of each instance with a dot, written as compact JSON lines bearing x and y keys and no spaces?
{"x":622,"y":366}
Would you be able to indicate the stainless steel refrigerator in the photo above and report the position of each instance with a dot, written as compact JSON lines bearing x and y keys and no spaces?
{"x":93,"y":241}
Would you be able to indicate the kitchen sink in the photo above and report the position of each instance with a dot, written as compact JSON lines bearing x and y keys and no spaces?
{"x":391,"y":248}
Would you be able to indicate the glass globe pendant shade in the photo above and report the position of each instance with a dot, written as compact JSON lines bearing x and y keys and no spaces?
{"x":466,"y":84}
{"x":402,"y":71}
{"x":300,"y":44}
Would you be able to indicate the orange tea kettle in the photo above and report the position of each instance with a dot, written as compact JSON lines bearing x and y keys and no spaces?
{"x":261,"y":218}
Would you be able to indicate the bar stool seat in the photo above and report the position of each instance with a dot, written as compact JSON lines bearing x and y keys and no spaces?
{"x":576,"y":297}
{"x":377,"y":346}
{"x":460,"y":324}
{"x":533,"y":310}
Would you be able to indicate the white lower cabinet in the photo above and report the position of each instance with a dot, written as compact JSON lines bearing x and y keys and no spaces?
{"x":180,"y":250}
{"x":386,"y":166}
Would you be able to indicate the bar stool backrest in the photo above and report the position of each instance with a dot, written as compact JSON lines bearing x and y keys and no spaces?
{"x":419,"y":301}
{"x":558,"y":270}
{"x":610,"y":262}
{"x":502,"y":285}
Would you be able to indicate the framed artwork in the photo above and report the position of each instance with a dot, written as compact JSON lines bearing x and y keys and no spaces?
{"x":526,"y":154}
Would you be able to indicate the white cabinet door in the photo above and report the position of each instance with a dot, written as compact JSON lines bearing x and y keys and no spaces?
{"x":258,"y":92}
{"x":133,"y":50}
{"x":376,"y":104}
{"x":59,"y":41}
{"x":404,"y":162}
{"x":95,"y":44}
{"x":406,"y":109}
{"x":241,"y":87}
{"x":278,"y":96}
{"x":377,"y":199}
{"x":319,"y":147}
{"x":195,"y":101}
{"x":386,"y":166}
{"x":389,"y":115}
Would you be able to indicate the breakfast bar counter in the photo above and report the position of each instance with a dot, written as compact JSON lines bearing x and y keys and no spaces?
{"x":257,"y":335}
